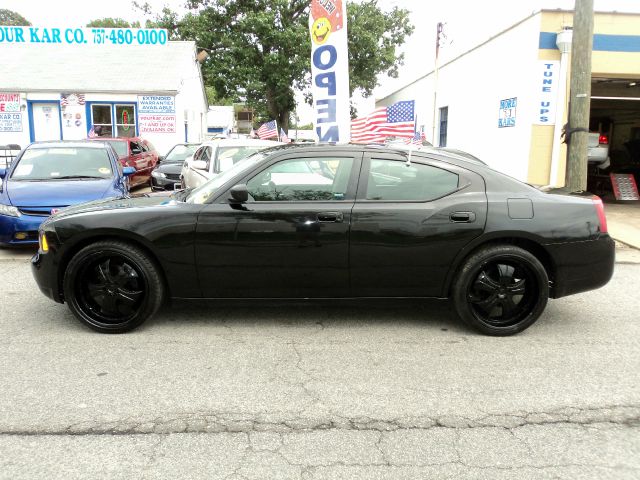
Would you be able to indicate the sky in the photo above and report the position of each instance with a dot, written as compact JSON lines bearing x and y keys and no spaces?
{"x":467,"y":23}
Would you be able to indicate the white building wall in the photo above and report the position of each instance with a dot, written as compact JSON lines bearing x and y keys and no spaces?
{"x":472,"y":85}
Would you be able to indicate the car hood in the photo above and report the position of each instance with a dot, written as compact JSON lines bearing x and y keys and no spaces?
{"x":56,"y":193}
{"x":169,"y":167}
{"x":125,"y":202}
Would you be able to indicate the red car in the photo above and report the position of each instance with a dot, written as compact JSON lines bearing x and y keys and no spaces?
{"x":134,"y":152}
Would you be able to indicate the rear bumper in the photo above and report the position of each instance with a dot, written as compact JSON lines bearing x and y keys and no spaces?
{"x":582,"y":266}
{"x":28,"y":224}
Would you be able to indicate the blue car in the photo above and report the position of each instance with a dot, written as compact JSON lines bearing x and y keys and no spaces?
{"x":48,"y":176}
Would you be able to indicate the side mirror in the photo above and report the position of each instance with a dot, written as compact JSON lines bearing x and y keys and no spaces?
{"x":239,"y":193}
{"x":3,"y":172}
{"x":199,"y":164}
{"x":160,"y":158}
{"x":128,"y":171}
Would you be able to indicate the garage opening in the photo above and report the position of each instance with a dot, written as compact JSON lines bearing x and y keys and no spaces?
{"x":614,"y":139}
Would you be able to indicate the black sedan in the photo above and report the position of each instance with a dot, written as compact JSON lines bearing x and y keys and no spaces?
{"x":166,"y":175}
{"x":324,"y":222}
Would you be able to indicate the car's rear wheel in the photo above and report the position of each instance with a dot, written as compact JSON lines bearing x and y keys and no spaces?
{"x":112,"y":286}
{"x":501,"y":290}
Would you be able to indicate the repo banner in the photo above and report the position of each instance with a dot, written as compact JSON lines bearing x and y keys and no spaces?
{"x":330,"y":70}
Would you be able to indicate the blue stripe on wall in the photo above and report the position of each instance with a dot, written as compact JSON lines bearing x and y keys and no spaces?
{"x":601,"y":42}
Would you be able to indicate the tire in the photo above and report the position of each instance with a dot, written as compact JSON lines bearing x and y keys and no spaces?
{"x":112,"y":286}
{"x":500,"y":290}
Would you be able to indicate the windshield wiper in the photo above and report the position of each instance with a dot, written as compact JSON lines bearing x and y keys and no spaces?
{"x":66,"y":177}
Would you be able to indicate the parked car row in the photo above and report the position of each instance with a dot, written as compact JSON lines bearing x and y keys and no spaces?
{"x":48,"y":176}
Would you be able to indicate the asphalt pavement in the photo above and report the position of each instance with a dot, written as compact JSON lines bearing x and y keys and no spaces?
{"x":320,"y":392}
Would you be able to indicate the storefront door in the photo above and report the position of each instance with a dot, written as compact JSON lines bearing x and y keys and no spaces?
{"x":46,"y":121}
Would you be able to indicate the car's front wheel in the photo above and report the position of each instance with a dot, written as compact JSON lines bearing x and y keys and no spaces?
{"x":112,"y":286}
{"x":501,"y":290}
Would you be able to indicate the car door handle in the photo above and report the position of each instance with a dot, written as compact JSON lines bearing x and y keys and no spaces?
{"x":335,"y":217}
{"x":462,"y":217}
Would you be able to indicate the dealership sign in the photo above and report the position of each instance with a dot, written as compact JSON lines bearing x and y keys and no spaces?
{"x":157,"y":114}
{"x":154,"y":123}
{"x":330,"y":70}
{"x":156,"y":104}
{"x":10,"y":122}
{"x":507,"y":114}
{"x":82,"y":36}
{"x":547,"y":82}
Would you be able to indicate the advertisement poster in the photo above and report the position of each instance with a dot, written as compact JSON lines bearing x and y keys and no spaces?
{"x":9,"y":102}
{"x":10,"y":122}
{"x":507,"y":113}
{"x":73,"y":113}
{"x":156,"y":114}
{"x":155,"y":123}
{"x":330,"y":70}
{"x":547,"y":88}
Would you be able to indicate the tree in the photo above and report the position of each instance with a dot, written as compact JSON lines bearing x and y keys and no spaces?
{"x":12,"y":19}
{"x":259,"y":50}
{"x":110,"y":22}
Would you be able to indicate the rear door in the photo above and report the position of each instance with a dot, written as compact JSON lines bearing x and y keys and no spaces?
{"x":409,"y":222}
{"x":291,"y":239}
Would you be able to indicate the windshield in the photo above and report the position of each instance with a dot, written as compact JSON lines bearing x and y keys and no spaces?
{"x":119,"y":147}
{"x":63,"y":163}
{"x":204,"y":192}
{"x":180,"y":152}
{"x":229,"y":156}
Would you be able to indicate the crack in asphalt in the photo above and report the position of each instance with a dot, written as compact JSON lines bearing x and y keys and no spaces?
{"x":228,"y":422}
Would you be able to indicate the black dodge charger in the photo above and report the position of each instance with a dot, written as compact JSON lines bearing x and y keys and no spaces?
{"x":325,"y":222}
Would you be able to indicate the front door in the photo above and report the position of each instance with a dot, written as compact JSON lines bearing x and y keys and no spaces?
{"x":46,"y":121}
{"x":409,"y":222}
{"x":291,"y":240}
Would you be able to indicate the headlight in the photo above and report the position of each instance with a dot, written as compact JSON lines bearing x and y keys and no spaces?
{"x":158,"y":174}
{"x":9,"y":211}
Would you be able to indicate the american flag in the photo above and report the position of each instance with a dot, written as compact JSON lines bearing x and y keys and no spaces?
{"x":418,"y":139}
{"x":268,"y":130}
{"x":283,"y":136}
{"x":396,"y":120}
{"x":67,"y":99}
{"x":92,"y":133}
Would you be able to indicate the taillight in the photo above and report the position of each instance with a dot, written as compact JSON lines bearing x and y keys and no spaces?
{"x":603,"y":140}
{"x":597,"y":201}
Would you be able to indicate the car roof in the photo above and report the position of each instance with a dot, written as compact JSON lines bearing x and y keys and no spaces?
{"x":68,"y":144}
{"x":241,"y":142}
{"x":114,"y":139}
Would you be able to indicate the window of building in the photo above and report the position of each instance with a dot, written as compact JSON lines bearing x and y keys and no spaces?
{"x":444,"y":118}
{"x":393,"y":180}
{"x":117,"y":120}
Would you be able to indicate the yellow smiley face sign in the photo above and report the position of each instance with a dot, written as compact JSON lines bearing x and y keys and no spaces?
{"x":320,"y":30}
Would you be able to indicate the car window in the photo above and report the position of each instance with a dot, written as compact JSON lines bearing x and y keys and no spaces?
{"x":135,"y":148}
{"x":59,"y":163}
{"x":179,"y":153}
{"x":143,"y":146}
{"x":119,"y":147}
{"x":229,"y":156}
{"x":393,"y":180}
{"x":302,"y":179}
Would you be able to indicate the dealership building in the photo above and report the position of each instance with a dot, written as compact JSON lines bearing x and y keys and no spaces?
{"x":69,"y":90}
{"x":506,"y":99}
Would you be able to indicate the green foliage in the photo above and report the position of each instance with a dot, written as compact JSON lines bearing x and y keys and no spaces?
{"x":110,"y":22}
{"x":12,"y":19}
{"x":259,"y":50}
{"x":213,"y":99}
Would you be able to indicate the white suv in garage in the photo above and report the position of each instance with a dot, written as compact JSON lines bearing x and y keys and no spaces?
{"x":598,"y":150}
{"x":214,"y":157}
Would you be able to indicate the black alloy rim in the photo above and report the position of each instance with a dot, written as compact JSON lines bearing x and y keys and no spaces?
{"x":503,"y":292}
{"x":111,"y":289}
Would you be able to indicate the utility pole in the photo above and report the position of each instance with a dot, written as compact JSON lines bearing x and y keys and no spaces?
{"x":577,"y":133}
{"x":440,"y":36}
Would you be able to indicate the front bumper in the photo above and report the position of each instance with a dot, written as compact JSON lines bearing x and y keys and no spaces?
{"x":28,"y":224}
{"x":159,"y":183}
{"x":582,"y":266}
{"x":45,"y":273}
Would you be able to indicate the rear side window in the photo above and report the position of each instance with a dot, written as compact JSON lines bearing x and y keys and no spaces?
{"x":392,"y":180}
